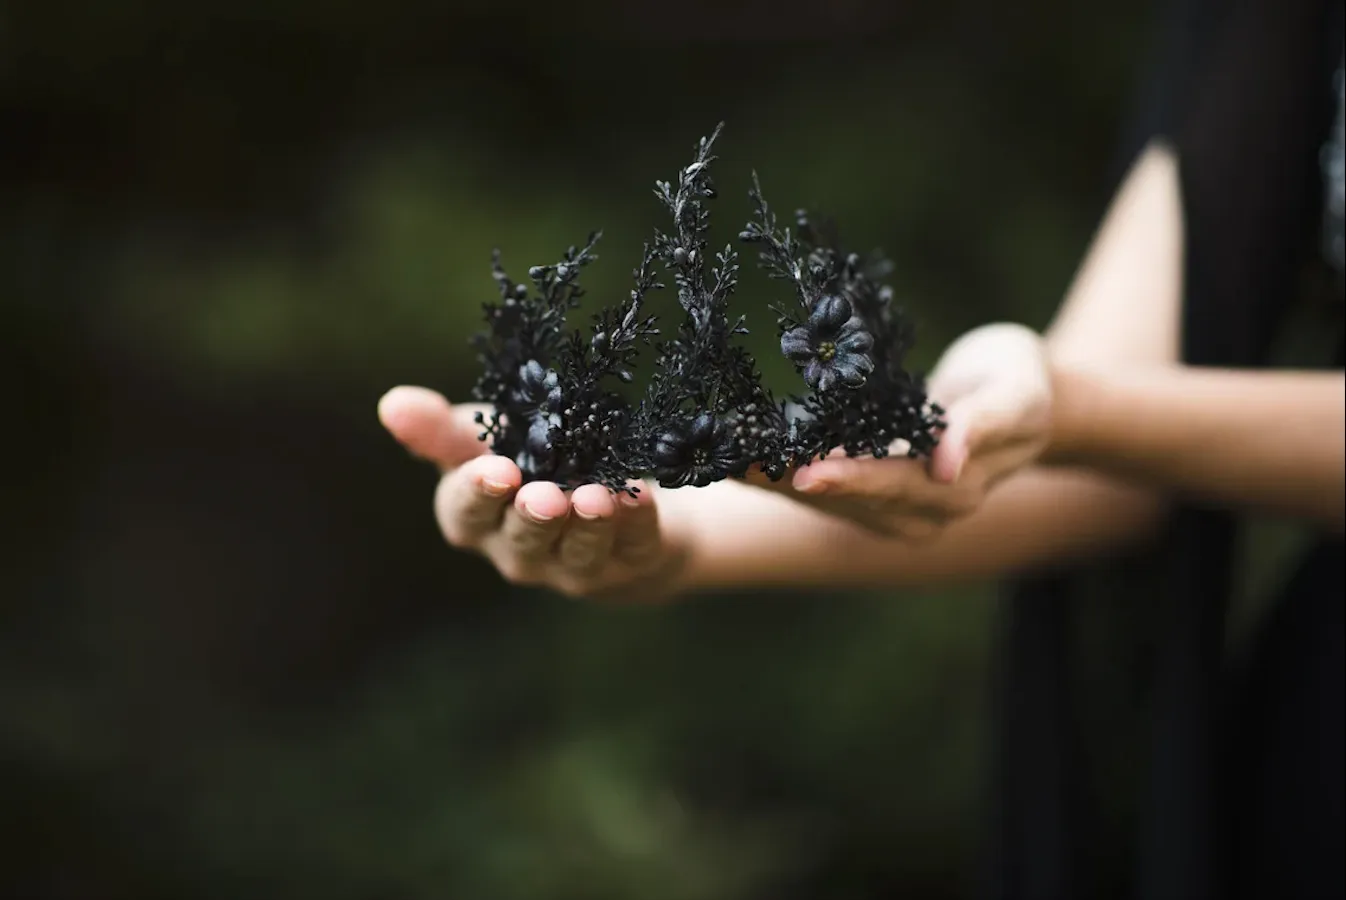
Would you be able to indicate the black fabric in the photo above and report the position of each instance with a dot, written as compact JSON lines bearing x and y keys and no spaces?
{"x":1283,"y":811}
{"x":1226,"y":762}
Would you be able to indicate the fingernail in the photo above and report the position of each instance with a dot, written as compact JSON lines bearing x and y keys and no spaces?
{"x":588,"y":517}
{"x":536,"y":516}
{"x":494,"y":488}
{"x":628,"y":501}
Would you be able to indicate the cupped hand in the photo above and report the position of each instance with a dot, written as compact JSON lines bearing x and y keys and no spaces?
{"x":995,"y":385}
{"x":588,"y":543}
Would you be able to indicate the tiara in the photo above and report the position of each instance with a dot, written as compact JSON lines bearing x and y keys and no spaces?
{"x":560,"y":398}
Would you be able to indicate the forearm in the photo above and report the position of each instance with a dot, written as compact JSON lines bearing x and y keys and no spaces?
{"x":752,"y":537}
{"x":1124,"y":303}
{"x":1266,"y":440}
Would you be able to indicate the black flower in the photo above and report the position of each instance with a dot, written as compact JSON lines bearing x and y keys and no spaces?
{"x":832,"y":346}
{"x":540,"y":396}
{"x":696,"y":452}
{"x":539,"y":388}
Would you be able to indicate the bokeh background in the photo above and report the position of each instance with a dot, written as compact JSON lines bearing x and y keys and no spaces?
{"x":236,"y":660}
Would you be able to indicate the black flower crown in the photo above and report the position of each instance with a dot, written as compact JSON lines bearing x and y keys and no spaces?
{"x":705,"y":414}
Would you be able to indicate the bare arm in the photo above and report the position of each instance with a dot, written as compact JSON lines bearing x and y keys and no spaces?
{"x":1274,"y":441}
{"x":1125,"y":304}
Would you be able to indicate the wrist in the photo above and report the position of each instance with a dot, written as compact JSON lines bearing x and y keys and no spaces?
{"x":1077,"y":398}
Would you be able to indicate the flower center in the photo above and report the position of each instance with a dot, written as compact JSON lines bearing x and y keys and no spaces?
{"x":827,"y":351}
{"x":701,"y":457}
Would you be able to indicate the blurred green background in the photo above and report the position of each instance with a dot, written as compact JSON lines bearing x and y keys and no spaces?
{"x":236,"y":660}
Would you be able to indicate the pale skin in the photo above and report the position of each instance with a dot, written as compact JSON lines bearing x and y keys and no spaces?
{"x":1060,"y":446}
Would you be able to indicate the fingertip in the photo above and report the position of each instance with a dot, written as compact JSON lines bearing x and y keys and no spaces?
{"x":402,"y":406}
{"x":643,"y":499}
{"x":496,"y":475}
{"x":542,"y":501}
{"x":593,"y":501}
{"x":431,"y":427}
{"x":946,"y":468}
{"x":950,"y":455}
{"x":824,"y":474}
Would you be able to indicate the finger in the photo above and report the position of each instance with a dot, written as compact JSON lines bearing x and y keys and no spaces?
{"x":951,"y":454}
{"x":637,"y":541}
{"x":533,"y":525}
{"x":985,"y":421}
{"x":882,"y":494}
{"x":432,"y":428}
{"x":586,"y":544}
{"x":856,"y":478}
{"x":471,"y":501}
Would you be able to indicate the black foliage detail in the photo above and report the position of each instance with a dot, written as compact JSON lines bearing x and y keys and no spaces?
{"x":847,"y":339}
{"x":705,"y":414}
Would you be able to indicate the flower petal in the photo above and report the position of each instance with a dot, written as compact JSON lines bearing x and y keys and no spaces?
{"x":532,"y":374}
{"x":667,"y":453}
{"x":812,"y":372}
{"x":728,"y":460}
{"x":827,"y":378}
{"x":829,"y":314}
{"x":849,"y":373}
{"x":857,"y":360}
{"x":797,"y":344}
{"x":674,"y":478}
{"x":537,"y":441}
{"x":703,"y":429}
{"x":854,"y":338}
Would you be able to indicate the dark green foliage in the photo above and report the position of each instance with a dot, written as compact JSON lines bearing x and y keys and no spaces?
{"x":706,"y":415}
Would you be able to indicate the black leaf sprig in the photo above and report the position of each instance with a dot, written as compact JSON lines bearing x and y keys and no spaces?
{"x":694,"y":417}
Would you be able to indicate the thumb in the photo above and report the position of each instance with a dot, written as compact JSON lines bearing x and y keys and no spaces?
{"x":979,"y":422}
{"x":952,"y":452}
{"x":432,"y":428}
